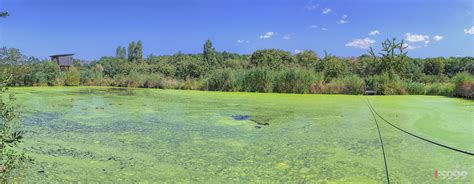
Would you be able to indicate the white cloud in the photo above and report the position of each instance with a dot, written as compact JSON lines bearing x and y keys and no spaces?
{"x":361,"y":43}
{"x":243,"y":41}
{"x":313,"y":26}
{"x":267,"y":35}
{"x":287,"y":37}
{"x":437,"y":38}
{"x":427,"y":42}
{"x":410,"y":47}
{"x":311,"y":7}
{"x":416,"y":37}
{"x":324,"y":29}
{"x":326,"y":11}
{"x":469,"y":31}
{"x":343,"y":20}
{"x":374,"y":32}
{"x":298,"y":51}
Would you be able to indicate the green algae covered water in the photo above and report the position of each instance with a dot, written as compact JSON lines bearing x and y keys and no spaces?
{"x":93,"y":134}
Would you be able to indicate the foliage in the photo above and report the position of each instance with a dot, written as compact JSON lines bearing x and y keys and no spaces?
{"x":334,"y":67}
{"x":389,"y":71}
{"x":441,"y":89}
{"x":256,"y":80}
{"x":293,"y":80}
{"x":209,"y":53}
{"x":393,"y":57}
{"x":464,"y":83}
{"x":308,"y":59}
{"x":434,"y":66}
{"x":389,"y":84}
{"x":73,"y":77}
{"x":4,"y":14}
{"x":415,"y":88}
{"x":11,"y":135}
{"x":274,"y":59}
{"x":352,"y":85}
{"x":220,"y":80}
{"x":121,"y":52}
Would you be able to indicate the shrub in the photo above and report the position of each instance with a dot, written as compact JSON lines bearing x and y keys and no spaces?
{"x":441,"y":89}
{"x":274,"y":59}
{"x":293,"y":80}
{"x":60,"y":80}
{"x":191,"y":84}
{"x":464,"y":83}
{"x":389,"y":84}
{"x":334,"y":67}
{"x":73,"y":77}
{"x":169,"y":83}
{"x":434,"y":79}
{"x":352,"y":85}
{"x":257,"y":80}
{"x":152,"y":81}
{"x":415,"y":88}
{"x":220,"y":80}
{"x":333,"y":87}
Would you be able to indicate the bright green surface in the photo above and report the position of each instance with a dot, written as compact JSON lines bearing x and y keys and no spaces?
{"x":104,"y":134}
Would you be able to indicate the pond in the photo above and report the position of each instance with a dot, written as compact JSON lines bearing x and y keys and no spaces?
{"x":95,"y":134}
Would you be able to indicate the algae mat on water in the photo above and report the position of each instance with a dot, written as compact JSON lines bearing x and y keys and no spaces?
{"x":93,"y":134}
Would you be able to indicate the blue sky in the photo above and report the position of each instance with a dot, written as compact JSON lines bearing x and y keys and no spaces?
{"x":94,"y":28}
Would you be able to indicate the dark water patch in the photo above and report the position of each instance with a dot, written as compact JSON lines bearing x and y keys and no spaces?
{"x":39,"y":118}
{"x":63,"y":151}
{"x":107,"y":91}
{"x":260,"y":124}
{"x":241,"y":117}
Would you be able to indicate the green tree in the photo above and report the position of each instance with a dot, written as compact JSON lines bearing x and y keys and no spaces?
{"x":138,"y":52}
{"x":393,"y":56}
{"x":273,"y":58}
{"x":434,"y":66}
{"x":121,"y":52}
{"x":4,"y":14}
{"x":307,"y":58}
{"x":334,"y":68}
{"x":11,"y":135}
{"x":209,"y":53}
{"x":131,"y":52}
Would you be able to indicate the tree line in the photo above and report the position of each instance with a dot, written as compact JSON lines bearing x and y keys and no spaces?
{"x":389,"y":71}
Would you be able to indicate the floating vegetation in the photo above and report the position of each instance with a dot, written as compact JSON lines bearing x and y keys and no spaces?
{"x":183,"y":136}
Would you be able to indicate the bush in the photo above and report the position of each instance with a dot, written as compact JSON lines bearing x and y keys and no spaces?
{"x":415,"y":88}
{"x":256,"y":80}
{"x":441,"y":89}
{"x":169,"y":83}
{"x":274,"y":59}
{"x":333,"y":87}
{"x":464,"y":83}
{"x":347,"y":85}
{"x":73,"y":77}
{"x":389,"y":84}
{"x":352,"y":85}
{"x":60,"y":80}
{"x":152,"y":81}
{"x":293,"y":80}
{"x":191,"y":84}
{"x":220,"y":80}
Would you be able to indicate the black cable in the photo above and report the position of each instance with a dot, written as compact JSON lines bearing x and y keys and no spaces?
{"x":432,"y":142}
{"x":381,"y":143}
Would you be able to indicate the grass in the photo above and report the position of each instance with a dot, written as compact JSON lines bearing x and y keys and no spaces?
{"x":97,"y":134}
